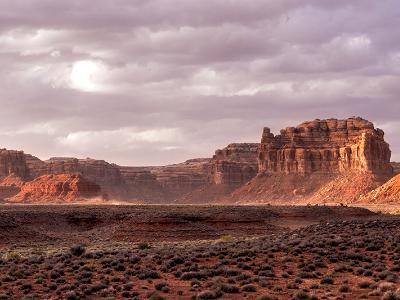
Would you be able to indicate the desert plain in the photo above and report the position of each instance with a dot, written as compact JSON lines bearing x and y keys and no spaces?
{"x":311,"y":213}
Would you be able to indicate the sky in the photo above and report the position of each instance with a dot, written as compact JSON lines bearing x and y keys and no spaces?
{"x":150,"y":82}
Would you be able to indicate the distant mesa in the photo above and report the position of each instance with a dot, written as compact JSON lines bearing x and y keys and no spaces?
{"x":320,"y":161}
{"x":58,"y":188}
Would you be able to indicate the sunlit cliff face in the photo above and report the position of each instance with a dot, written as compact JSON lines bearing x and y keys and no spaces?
{"x":141,"y":82}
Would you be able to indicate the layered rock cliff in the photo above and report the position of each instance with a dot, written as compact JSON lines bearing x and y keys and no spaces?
{"x":104,"y":174}
{"x":12,"y":162}
{"x":319,"y":161}
{"x":325,"y":146}
{"x":234,"y":165}
{"x":57,"y":189}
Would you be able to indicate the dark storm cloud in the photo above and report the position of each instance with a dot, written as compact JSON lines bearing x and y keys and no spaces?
{"x":152,"y":82}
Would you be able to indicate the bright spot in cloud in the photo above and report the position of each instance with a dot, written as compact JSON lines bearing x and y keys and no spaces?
{"x":85,"y":74}
{"x":359,"y":42}
{"x":127,"y":138}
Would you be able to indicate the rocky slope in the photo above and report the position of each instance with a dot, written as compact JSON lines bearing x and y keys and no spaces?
{"x":347,"y":188}
{"x":320,"y":161}
{"x":57,"y":188}
{"x":388,"y":193}
{"x":10,"y":186}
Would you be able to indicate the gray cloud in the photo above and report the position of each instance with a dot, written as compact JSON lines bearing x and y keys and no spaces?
{"x":155,"y":82}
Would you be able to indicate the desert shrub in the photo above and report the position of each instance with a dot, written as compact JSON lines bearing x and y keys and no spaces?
{"x":364,"y":284}
{"x":249,"y":288}
{"x":119,"y":267}
{"x":125,"y":294}
{"x":231,"y":272}
{"x":165,"y":289}
{"x":134,"y":259}
{"x":26,"y":286}
{"x":265,"y":297}
{"x":147,"y":274}
{"x":160,"y":285}
{"x":368,"y":273}
{"x":390,"y":295}
{"x":192,"y":275}
{"x":77,"y":250}
{"x":230,"y":289}
{"x":12,"y":256}
{"x":143,"y":246}
{"x":71,"y":296}
{"x":302,"y":295}
{"x":292,"y":286}
{"x":298,"y":280}
{"x":389,"y":276}
{"x":207,"y":295}
{"x":344,"y":289}
{"x":304,"y":275}
{"x":128,"y":286}
{"x":244,"y":266}
{"x":327,"y":280}
{"x":155,"y":296}
{"x":385,"y":286}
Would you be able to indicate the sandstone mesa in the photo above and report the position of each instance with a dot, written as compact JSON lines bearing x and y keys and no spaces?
{"x":320,"y":161}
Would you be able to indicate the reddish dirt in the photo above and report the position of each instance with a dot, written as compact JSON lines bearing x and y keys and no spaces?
{"x":56,"y":188}
{"x":335,"y":260}
{"x":388,"y":193}
{"x":66,"y":224}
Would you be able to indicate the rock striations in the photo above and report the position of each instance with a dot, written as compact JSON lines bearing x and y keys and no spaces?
{"x":234,"y":165}
{"x":318,"y":161}
{"x":327,"y":147}
{"x":57,"y":189}
{"x":13,"y":163}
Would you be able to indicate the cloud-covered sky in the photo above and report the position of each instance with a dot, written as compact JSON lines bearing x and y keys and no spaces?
{"x":149,"y":82}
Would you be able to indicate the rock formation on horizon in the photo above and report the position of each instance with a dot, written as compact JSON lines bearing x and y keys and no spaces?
{"x":234,"y":165}
{"x":327,"y":147}
{"x":313,"y":162}
{"x":61,"y":188}
{"x":176,"y":183}
{"x":318,"y":161}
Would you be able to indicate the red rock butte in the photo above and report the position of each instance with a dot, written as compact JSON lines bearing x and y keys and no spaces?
{"x":317,"y":161}
{"x":325,"y":146}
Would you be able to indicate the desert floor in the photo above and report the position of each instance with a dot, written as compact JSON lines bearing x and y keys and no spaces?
{"x":198,"y":252}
